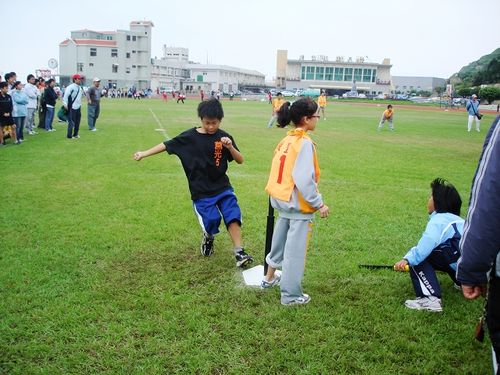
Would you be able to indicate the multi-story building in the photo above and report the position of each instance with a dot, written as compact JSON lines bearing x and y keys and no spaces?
{"x":120,"y":58}
{"x":335,"y":77}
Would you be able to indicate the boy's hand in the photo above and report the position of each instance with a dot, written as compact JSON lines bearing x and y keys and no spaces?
{"x":401,"y":266}
{"x":138,"y":155}
{"x":226,"y":142}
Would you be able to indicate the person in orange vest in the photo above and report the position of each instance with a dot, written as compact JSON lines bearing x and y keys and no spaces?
{"x":387,"y":116}
{"x":293,"y":189}
{"x":277,"y":103}
{"x":322,"y":103}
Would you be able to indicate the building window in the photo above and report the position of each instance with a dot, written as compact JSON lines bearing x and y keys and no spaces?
{"x":79,"y":67}
{"x":93,"y":52}
{"x":329,"y":74}
{"x":367,"y":75}
{"x":134,"y":66}
{"x":91,"y":64}
{"x":374,"y":75}
{"x":128,"y":55}
{"x":114,"y":68}
{"x":114,"y":52}
{"x":357,"y":74}
{"x":127,"y":70}
{"x":348,"y":74}
{"x":320,"y":73}
{"x":128,"y":37}
{"x":109,"y":37}
{"x":133,"y":51}
{"x":303,"y":73}
{"x":339,"y":74}
{"x":310,"y":72}
{"x":134,"y":38}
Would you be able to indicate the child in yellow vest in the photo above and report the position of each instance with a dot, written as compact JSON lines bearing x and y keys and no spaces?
{"x":277,"y":103}
{"x":387,"y":116}
{"x":322,"y":104}
{"x":293,"y":190}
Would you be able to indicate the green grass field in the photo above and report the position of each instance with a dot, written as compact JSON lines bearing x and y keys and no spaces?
{"x":100,"y":269}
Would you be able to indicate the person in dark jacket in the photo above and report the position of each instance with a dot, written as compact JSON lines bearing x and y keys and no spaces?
{"x":480,"y":243}
{"x":6,"y":121}
{"x":50,"y":104}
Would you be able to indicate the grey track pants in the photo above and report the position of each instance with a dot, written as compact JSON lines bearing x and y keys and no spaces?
{"x":288,"y":251}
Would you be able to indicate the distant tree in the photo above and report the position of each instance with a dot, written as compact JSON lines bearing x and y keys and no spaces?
{"x":489,"y":93}
{"x":424,"y":93}
{"x":439,"y":90}
{"x":464,"y":91}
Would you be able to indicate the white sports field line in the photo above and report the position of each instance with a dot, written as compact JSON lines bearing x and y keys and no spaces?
{"x":162,"y":129}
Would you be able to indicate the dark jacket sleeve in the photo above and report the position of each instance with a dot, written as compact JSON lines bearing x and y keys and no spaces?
{"x":480,"y":242}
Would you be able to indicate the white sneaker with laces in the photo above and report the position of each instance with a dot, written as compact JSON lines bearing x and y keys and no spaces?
{"x":425,"y":303}
{"x":302,"y":300}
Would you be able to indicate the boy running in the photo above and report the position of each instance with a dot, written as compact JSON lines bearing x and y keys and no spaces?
{"x":204,"y":153}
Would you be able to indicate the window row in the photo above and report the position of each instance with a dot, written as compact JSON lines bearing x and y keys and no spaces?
{"x":321,"y":73}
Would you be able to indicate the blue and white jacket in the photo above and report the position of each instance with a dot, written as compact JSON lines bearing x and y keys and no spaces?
{"x":440,"y":229}
{"x":472,"y":107}
{"x":480,"y":243}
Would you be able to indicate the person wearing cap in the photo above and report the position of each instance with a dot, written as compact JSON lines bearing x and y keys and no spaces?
{"x":94,"y":104}
{"x":72,"y":101}
{"x":472,"y":108}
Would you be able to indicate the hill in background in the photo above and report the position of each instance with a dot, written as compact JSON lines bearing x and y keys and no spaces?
{"x":483,"y":71}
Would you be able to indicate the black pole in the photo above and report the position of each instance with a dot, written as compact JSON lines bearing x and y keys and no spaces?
{"x":269,"y":233}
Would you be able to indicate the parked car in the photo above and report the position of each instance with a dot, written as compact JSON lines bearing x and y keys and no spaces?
{"x":288,"y":93}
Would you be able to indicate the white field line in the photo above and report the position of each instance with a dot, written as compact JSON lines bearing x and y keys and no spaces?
{"x":160,"y":125}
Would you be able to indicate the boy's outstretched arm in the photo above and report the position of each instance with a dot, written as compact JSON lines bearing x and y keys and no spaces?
{"x":152,"y":151}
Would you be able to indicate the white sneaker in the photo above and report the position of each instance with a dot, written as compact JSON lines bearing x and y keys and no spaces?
{"x":425,"y":303}
{"x":93,"y":130}
{"x":302,"y":300}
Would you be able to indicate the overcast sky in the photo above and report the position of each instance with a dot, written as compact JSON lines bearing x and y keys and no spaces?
{"x":421,"y":37}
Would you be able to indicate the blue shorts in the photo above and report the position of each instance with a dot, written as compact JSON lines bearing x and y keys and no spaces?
{"x":209,"y":211}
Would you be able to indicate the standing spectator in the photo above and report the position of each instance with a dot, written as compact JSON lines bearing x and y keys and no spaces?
{"x":480,"y":244}
{"x":277,"y":103}
{"x":41,"y":103}
{"x":388,"y":115}
{"x":472,"y":108}
{"x":94,"y":104}
{"x":293,"y":190}
{"x":72,"y":101}
{"x":50,"y":104}
{"x":164,"y":95}
{"x":202,"y":94}
{"x":33,"y":93}
{"x":19,"y":112}
{"x":6,"y":122}
{"x":270,"y":97}
{"x":322,"y":103}
{"x":10,"y":78}
{"x":218,"y":94}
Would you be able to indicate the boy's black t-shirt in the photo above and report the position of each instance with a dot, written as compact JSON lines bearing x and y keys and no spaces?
{"x":204,"y":160}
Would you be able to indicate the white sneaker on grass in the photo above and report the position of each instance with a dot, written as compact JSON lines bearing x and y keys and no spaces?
{"x":269,"y":284}
{"x":425,"y":303}
{"x":302,"y":300}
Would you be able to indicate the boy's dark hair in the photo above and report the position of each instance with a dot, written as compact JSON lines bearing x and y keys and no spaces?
{"x":15,"y":84}
{"x":7,"y":76}
{"x":446,"y":197}
{"x":389,"y":106}
{"x":210,"y":108}
{"x":50,"y":81}
{"x":3,"y":84}
{"x":29,"y":77}
{"x":294,"y":112}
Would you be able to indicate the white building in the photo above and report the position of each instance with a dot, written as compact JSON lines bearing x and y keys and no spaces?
{"x":336,"y":77}
{"x":121,"y":58}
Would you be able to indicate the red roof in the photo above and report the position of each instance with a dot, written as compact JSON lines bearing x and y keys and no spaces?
{"x":92,"y":42}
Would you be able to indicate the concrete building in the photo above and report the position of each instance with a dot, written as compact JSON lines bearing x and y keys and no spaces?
{"x":404,"y":85}
{"x":222,"y":77}
{"x":121,"y":58}
{"x":335,"y":77}
{"x":170,"y":71}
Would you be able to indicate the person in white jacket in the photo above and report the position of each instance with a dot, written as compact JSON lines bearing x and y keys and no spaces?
{"x":32,"y":93}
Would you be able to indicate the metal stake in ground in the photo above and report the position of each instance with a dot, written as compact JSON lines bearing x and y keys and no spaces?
{"x":269,"y":233}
